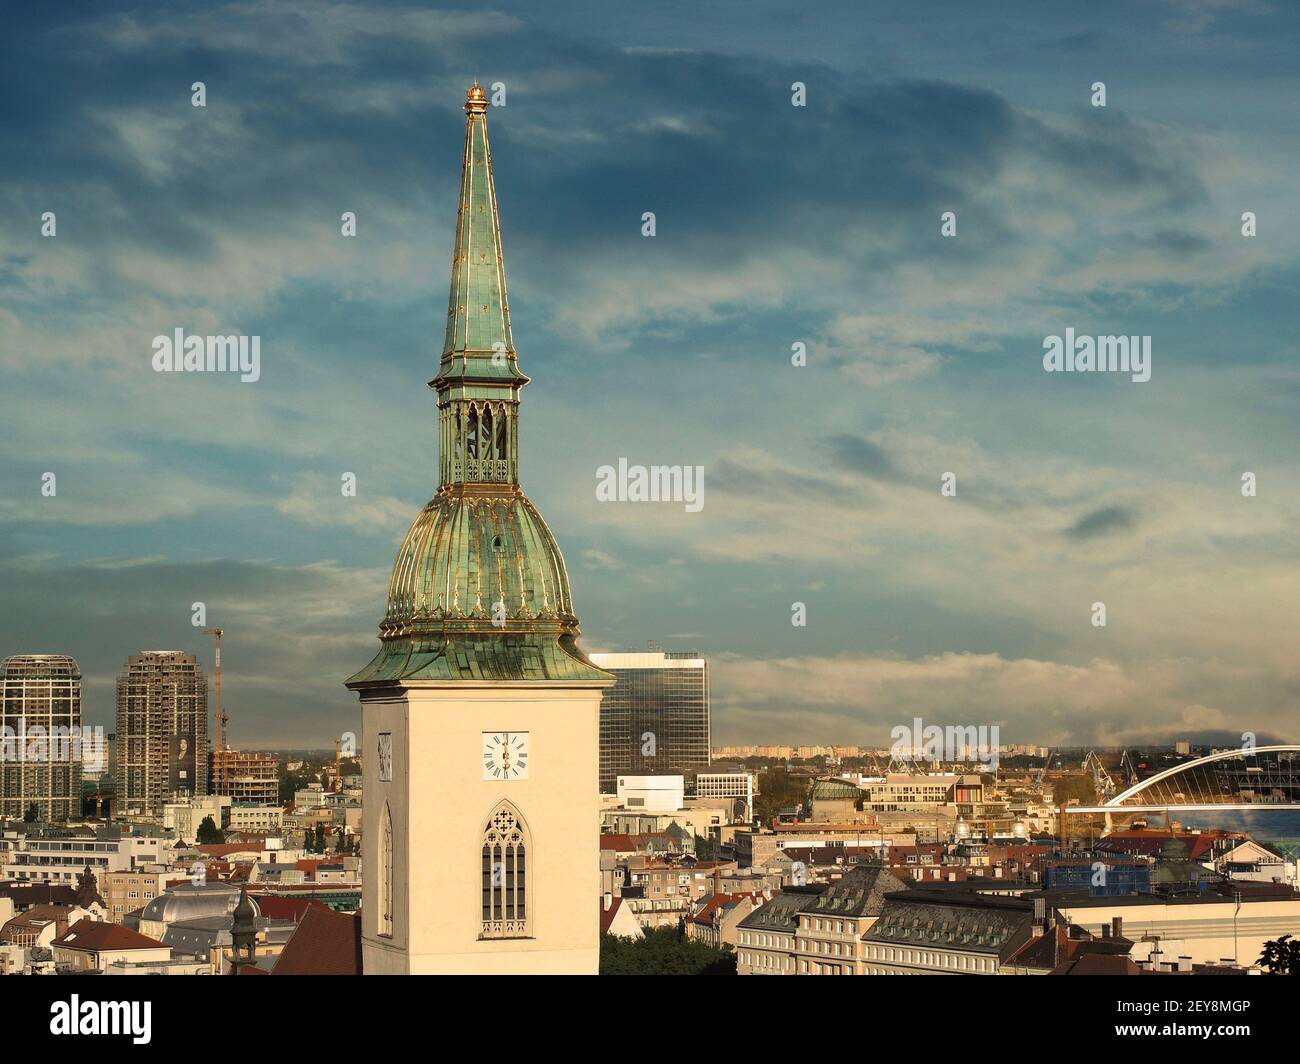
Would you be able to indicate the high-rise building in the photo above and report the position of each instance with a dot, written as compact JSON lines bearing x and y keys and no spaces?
{"x":162,"y":732}
{"x":40,"y":743}
{"x":655,"y":720}
{"x":480,"y":714}
{"x":246,"y":777}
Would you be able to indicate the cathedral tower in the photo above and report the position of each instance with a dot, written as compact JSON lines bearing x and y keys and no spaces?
{"x":480,"y":714}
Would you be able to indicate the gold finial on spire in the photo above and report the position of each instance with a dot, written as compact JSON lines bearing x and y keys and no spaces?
{"x":476,"y":101}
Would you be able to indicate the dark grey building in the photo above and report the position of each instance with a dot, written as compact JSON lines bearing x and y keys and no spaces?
{"x":161,"y":748}
{"x":655,"y":719}
{"x":40,"y":741}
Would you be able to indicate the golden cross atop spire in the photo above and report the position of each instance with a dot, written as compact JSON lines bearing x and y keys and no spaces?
{"x":476,"y":101}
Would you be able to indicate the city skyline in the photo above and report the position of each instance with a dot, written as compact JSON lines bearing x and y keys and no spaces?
{"x":776,"y":225}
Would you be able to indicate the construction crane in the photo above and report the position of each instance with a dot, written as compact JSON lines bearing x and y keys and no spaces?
{"x":1043,"y":771}
{"x":1128,"y":769}
{"x":1100,"y":777}
{"x":217,"y":786}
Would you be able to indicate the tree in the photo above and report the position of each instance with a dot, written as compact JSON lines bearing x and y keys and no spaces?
{"x":777,"y":790}
{"x":33,"y":814}
{"x":707,"y":849}
{"x":663,"y":951}
{"x":340,"y":846}
{"x":1281,"y":956}
{"x":289,"y":783}
{"x":1079,"y":785}
{"x":320,"y":839}
{"x":209,"y":833}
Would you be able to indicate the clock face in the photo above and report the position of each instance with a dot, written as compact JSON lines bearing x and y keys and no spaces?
{"x":505,"y":755}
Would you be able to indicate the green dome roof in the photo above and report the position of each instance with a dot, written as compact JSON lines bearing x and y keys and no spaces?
{"x":468,"y":555}
{"x":479,"y":591}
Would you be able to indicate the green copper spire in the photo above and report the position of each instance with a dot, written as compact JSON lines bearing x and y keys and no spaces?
{"x":478,"y":381}
{"x":479,"y":590}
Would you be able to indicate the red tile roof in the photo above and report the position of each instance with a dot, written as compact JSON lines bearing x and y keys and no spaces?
{"x":95,"y":935}
{"x":708,"y":913}
{"x":324,"y":943}
{"x":1101,"y":964}
{"x":275,"y":907}
{"x":607,"y":915}
{"x":225,"y":849}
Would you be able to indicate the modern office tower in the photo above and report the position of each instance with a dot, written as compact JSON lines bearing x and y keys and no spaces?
{"x":655,"y":720}
{"x":245,"y":777}
{"x":162,"y":732}
{"x":40,"y":717}
{"x":480,"y":714}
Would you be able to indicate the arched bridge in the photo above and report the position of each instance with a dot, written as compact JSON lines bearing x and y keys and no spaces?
{"x":1264,"y":777}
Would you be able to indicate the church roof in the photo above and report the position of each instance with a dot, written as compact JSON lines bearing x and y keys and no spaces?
{"x":324,"y":943}
{"x":478,"y":310}
{"x":479,"y":589}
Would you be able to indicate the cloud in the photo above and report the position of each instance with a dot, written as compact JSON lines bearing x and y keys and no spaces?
{"x":1103,"y":522}
{"x":857,"y":698}
{"x":859,"y":455}
{"x":293,"y":633}
{"x":776,"y":225}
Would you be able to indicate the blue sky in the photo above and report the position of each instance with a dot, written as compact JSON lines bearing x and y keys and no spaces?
{"x":776,"y":224}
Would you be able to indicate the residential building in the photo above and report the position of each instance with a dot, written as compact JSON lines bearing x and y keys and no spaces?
{"x":91,"y":945}
{"x":41,"y":745}
{"x":739,"y":787}
{"x":1251,"y":861}
{"x":767,"y":937}
{"x":60,"y":855}
{"x":162,"y":731}
{"x":828,"y":940}
{"x":716,"y":919}
{"x":265,"y":818}
{"x":40,"y":925}
{"x":1223,"y":921}
{"x":184,"y":818}
{"x":940,"y":932}
{"x":246,"y":777}
{"x":127,"y":891}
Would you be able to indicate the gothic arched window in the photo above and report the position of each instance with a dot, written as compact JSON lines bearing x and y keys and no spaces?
{"x":501,"y":434}
{"x":505,"y":912}
{"x":386,"y":873}
{"x":471,"y":434}
{"x":485,"y":431}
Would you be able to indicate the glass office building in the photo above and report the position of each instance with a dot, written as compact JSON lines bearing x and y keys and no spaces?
{"x":655,"y":720}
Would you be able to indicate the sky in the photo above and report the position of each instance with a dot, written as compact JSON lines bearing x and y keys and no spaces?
{"x":776,"y":225}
